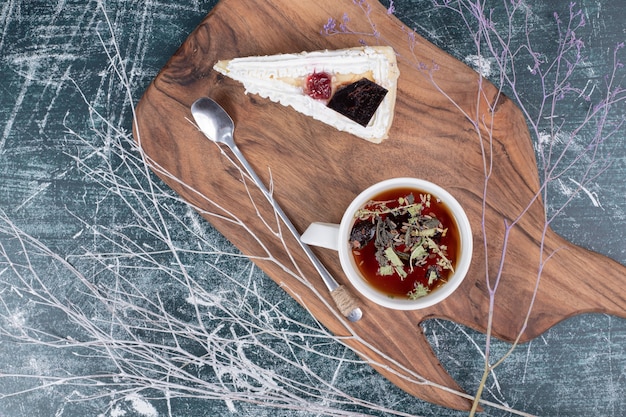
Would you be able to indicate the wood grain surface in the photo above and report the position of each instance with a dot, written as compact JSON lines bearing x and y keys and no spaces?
{"x":316,"y":171}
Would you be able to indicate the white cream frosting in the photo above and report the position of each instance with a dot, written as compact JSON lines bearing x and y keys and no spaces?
{"x":279,"y":78}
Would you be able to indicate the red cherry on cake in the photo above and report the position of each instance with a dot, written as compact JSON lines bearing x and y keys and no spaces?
{"x":318,"y":86}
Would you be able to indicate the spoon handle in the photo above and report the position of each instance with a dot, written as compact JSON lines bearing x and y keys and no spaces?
{"x":344,"y":300}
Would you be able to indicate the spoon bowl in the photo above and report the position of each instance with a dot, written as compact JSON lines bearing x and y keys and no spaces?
{"x":213,"y":120}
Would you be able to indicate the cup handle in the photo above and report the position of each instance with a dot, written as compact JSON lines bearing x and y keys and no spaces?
{"x":325,"y":235}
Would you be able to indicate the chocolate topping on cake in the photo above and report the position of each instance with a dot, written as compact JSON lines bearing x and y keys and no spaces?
{"x":358,"y":101}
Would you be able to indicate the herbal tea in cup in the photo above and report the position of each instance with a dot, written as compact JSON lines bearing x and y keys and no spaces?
{"x":403,"y":243}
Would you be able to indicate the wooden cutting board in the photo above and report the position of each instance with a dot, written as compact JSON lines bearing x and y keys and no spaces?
{"x":316,"y":171}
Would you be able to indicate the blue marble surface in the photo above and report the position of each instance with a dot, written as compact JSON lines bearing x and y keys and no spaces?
{"x":98,"y":258}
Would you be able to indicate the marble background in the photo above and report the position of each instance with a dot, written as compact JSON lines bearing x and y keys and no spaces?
{"x":85,"y":232}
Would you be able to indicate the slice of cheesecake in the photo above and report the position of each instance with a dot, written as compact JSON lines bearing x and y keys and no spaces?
{"x":353,"y":90}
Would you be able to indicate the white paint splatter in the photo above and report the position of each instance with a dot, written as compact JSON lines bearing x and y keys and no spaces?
{"x":480,"y":64}
{"x":8,"y":127}
{"x":206,"y":301}
{"x":17,"y":320}
{"x":592,"y":195}
{"x":565,"y":189}
{"x":117,"y":411}
{"x":142,"y":406}
{"x":568,"y":191}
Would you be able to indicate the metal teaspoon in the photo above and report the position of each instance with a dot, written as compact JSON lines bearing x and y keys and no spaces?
{"x":218,"y":126}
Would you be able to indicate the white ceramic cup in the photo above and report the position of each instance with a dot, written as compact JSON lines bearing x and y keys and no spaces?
{"x":336,"y":237}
